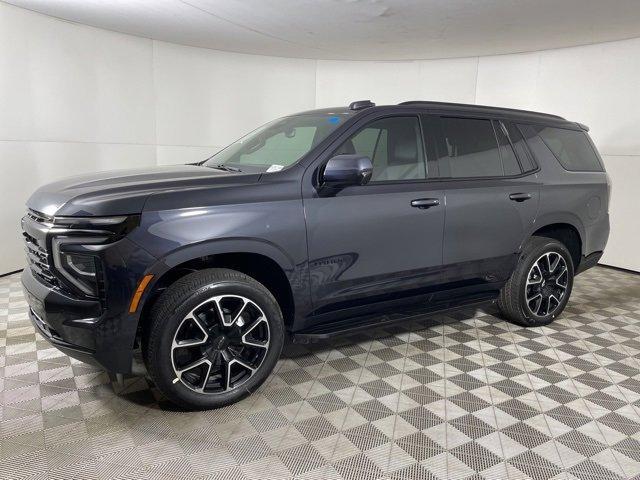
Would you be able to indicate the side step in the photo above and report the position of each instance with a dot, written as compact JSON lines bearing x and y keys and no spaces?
{"x":365,"y":322}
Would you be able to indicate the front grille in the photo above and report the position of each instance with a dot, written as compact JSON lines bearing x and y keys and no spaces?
{"x":40,"y":217}
{"x":41,"y":250}
{"x":38,"y":259}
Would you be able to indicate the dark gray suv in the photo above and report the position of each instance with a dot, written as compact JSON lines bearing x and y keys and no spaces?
{"x":315,"y":224}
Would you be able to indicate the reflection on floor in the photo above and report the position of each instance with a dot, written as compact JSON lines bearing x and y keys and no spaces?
{"x":464,"y":395}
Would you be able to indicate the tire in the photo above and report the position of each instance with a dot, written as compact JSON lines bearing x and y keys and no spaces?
{"x":236,"y":351}
{"x":519,"y":297}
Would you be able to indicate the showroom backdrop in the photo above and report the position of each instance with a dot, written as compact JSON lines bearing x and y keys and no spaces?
{"x":77,"y":99}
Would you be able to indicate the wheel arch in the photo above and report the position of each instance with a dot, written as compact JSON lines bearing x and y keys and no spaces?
{"x":260,"y":260}
{"x":566,"y":233}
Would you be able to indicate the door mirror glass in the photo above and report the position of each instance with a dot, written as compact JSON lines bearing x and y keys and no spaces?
{"x":345,"y":170}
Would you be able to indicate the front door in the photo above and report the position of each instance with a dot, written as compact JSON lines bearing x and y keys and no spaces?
{"x":380,"y":241}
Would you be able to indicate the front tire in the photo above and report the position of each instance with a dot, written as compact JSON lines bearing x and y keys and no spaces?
{"x":214,"y":337}
{"x":539,"y":288}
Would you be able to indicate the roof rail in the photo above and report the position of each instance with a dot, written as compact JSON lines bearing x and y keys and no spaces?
{"x":473,"y":105}
{"x":360,"y":104}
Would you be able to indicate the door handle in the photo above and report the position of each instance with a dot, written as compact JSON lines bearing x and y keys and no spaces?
{"x":519,"y":197}
{"x":424,"y":203}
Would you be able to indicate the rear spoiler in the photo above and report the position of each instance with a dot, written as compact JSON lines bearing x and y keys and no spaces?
{"x":582,"y":126}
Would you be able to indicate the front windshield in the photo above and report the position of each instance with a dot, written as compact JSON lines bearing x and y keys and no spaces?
{"x":278,"y":144}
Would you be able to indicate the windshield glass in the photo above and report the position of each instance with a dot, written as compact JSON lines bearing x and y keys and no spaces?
{"x":278,"y":144}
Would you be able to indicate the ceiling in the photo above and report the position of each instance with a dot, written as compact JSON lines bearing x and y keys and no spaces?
{"x":359,"y":29}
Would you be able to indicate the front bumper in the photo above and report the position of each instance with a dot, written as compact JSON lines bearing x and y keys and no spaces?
{"x":101,"y":332}
{"x":64,"y":321}
{"x":86,"y":356}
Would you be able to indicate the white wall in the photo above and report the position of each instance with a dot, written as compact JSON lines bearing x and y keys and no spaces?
{"x":206,"y":99}
{"x":72,"y":99}
{"x":75,"y":99}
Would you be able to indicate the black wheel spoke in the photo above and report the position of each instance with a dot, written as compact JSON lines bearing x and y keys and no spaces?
{"x":239,"y":314}
{"x":535,"y":275}
{"x":225,"y":377}
{"x":247,"y":338}
{"x":553,"y":259}
{"x":198,"y":333}
{"x":220,"y":312}
{"x":205,"y":377}
{"x":545,"y":301}
{"x":234,"y":364}
{"x":537,"y":299}
{"x":562,"y":277}
{"x":192,"y":365}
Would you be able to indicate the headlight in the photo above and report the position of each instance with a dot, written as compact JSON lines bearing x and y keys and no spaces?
{"x":75,"y":264}
{"x":82,"y":265}
{"x":118,"y":226}
{"x":74,"y":247}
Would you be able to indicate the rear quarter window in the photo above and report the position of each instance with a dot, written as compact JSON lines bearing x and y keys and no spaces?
{"x":572,"y":148}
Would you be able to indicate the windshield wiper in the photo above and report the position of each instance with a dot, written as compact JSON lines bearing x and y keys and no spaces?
{"x":226,"y":168}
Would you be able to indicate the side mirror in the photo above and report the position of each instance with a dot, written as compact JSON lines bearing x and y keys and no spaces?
{"x":346,"y":170}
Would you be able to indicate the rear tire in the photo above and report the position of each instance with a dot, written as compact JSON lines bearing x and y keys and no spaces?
{"x":214,"y":337}
{"x":539,"y":288}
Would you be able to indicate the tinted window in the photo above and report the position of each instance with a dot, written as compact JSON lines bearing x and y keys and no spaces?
{"x":467,"y":147}
{"x":510,"y":163}
{"x":572,"y":148}
{"x":519,"y":144}
{"x":394,"y":146}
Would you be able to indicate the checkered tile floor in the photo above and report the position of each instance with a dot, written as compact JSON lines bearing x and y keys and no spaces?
{"x":463,"y":395}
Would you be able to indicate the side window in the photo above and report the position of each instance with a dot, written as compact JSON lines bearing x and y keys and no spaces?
{"x":394,"y":146}
{"x":510,"y":163}
{"x":521,"y":149}
{"x":467,"y":147}
{"x":572,"y":148}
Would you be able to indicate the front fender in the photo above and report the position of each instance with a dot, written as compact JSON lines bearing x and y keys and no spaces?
{"x":273,"y":229}
{"x":296,"y":274}
{"x":225,"y":245}
{"x":165,"y":264}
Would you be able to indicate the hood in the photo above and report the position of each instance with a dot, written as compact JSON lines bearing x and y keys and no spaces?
{"x":122,"y":192}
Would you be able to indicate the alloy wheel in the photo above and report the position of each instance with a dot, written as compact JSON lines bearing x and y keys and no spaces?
{"x":547,"y":283}
{"x":220,"y":344}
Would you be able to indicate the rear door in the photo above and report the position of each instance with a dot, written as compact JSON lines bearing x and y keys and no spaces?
{"x":491,"y":195}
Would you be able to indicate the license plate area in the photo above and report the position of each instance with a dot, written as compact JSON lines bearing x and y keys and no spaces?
{"x":36,"y":306}
{"x":44,"y":328}
{"x":37,"y":313}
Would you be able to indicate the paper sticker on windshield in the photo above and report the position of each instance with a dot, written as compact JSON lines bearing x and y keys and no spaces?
{"x":275,"y":168}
